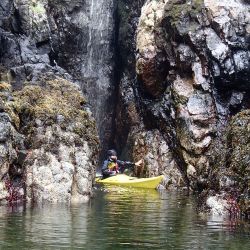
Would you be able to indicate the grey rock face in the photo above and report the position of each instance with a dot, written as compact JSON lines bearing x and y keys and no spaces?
{"x":82,"y":34}
{"x":74,"y":36}
{"x":10,"y":141}
{"x":60,"y":165}
{"x":158,"y":158}
{"x":35,"y":44}
{"x":62,"y":177}
{"x":191,"y":77}
{"x":193,"y":60}
{"x":5,"y":127}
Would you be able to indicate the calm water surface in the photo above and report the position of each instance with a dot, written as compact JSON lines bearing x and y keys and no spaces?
{"x":121,"y":219}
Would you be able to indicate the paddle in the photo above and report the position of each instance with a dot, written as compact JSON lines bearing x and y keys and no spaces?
{"x":139,"y":167}
{"x":138,"y":163}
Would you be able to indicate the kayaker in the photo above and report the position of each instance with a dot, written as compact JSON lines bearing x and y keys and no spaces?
{"x":112,"y":166}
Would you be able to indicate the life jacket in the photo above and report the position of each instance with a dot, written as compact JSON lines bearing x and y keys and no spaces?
{"x":113,"y":166}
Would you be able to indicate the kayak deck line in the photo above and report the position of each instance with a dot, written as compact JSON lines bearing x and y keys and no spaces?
{"x":128,"y":181}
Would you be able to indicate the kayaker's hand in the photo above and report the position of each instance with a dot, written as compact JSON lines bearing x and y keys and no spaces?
{"x":138,"y":163}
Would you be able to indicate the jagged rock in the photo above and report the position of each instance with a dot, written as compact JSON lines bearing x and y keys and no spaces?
{"x":192,"y":65}
{"x":151,"y":64}
{"x":36,"y":35}
{"x":237,"y":156}
{"x":217,"y":205}
{"x":10,"y":139}
{"x":54,"y":157}
{"x":5,"y":127}
{"x":33,"y":19}
{"x":61,"y":156}
{"x":193,"y":60}
{"x":10,"y":142}
{"x":158,"y":159}
{"x":3,"y":192}
{"x":34,"y":43}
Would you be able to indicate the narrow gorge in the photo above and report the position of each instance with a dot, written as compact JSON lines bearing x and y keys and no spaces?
{"x":166,"y":81}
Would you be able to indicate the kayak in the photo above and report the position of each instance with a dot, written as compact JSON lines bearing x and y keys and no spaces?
{"x":128,"y":181}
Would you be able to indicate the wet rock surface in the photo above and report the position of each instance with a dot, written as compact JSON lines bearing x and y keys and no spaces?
{"x":11,"y":146}
{"x":193,"y":60}
{"x":48,"y":136}
{"x":173,"y":90}
{"x":61,"y":141}
{"x":68,"y":39}
{"x":54,"y":159}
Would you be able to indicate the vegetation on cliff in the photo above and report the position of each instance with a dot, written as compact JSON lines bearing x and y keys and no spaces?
{"x":54,"y":101}
{"x":238,"y":157}
{"x":58,"y":140}
{"x":180,"y":9}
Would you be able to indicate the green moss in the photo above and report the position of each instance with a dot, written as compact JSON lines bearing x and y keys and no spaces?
{"x":13,"y":116}
{"x":47,"y":102}
{"x":238,"y":143}
{"x":176,"y":10}
{"x":56,"y":98}
{"x":5,"y":90}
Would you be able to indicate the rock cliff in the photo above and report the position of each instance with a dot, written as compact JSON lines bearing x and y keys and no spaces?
{"x":193,"y":69}
{"x":49,"y":143}
{"x":166,"y":80}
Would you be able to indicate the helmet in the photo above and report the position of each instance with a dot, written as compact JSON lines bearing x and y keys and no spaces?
{"x":111,"y":152}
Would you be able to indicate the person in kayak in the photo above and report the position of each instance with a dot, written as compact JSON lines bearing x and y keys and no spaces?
{"x":112,"y":166}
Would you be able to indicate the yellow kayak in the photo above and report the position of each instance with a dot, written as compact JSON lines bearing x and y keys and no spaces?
{"x":128,"y":181}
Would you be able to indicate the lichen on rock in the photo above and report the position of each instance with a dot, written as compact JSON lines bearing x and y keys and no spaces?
{"x":54,"y":102}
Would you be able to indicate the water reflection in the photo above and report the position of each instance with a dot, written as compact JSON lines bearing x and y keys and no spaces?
{"x":121,"y":219}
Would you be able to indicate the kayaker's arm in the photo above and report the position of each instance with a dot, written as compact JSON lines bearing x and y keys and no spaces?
{"x":106,"y":171}
{"x":128,"y":163}
{"x":125,"y":163}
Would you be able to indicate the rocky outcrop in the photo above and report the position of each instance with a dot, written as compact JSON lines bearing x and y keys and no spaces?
{"x":59,"y":142}
{"x":193,"y":69}
{"x":173,"y":90}
{"x":235,"y":172}
{"x":62,"y":142}
{"x":230,"y":175}
{"x":157,"y":157}
{"x":134,"y":137}
{"x":66,"y":38}
{"x":82,"y":35}
{"x":11,"y":146}
{"x":49,"y":141}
